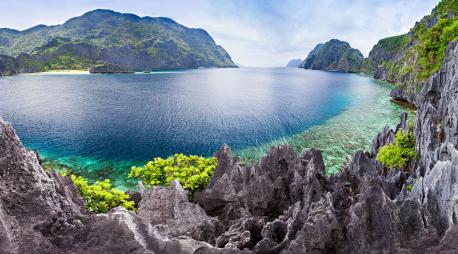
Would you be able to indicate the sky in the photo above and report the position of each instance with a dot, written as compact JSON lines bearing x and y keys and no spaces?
{"x":255,"y":32}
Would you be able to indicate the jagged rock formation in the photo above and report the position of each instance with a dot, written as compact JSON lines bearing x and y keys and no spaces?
{"x":42,"y":212}
{"x":294,"y":63}
{"x":334,"y":55}
{"x":106,"y":37}
{"x":284,"y":204}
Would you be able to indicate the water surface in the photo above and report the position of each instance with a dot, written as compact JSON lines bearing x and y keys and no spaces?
{"x":103,"y":124}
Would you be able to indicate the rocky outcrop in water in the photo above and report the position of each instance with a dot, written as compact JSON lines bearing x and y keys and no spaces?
{"x":294,"y":63}
{"x":334,"y":55}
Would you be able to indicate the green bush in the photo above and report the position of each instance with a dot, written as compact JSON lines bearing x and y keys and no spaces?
{"x":193,"y":172}
{"x":100,"y":197}
{"x":396,"y":155}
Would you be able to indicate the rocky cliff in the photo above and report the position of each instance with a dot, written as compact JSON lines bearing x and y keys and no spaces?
{"x":107,"y":37}
{"x":409,"y":60}
{"x":284,"y":203}
{"x":334,"y":55}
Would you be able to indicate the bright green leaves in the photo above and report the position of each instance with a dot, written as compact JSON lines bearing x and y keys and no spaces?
{"x":193,"y":172}
{"x":432,"y":46}
{"x":100,"y":197}
{"x":396,"y":155}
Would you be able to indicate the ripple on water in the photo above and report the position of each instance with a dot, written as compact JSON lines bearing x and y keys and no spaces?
{"x":102,"y":125}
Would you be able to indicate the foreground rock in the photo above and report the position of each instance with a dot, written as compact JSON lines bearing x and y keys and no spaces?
{"x":334,"y":55}
{"x":42,"y":212}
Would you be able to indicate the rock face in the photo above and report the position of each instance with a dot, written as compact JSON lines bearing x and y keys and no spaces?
{"x":334,"y":55}
{"x":410,"y":59}
{"x":112,"y":38}
{"x":8,"y":65}
{"x":294,"y":63}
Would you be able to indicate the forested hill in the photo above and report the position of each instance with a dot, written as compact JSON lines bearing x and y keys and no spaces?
{"x":334,"y":55}
{"x":104,"y":37}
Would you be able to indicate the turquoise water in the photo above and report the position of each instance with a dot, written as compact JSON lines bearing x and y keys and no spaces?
{"x":340,"y":136}
{"x":100,"y":125}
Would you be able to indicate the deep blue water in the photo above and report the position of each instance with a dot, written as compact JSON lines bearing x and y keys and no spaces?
{"x":138,"y":117}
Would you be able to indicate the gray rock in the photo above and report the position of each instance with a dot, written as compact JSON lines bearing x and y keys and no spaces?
{"x":42,"y":212}
{"x":170,"y":207}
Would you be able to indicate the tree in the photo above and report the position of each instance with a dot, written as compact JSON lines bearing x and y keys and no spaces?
{"x":193,"y":172}
{"x":396,"y":155}
{"x":100,"y":197}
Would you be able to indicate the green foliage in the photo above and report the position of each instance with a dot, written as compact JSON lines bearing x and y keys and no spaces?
{"x":443,"y":7}
{"x":433,"y":44}
{"x":409,"y":187}
{"x":395,"y":43}
{"x":100,"y":197}
{"x":396,"y":155}
{"x":193,"y":172}
{"x":415,"y":56}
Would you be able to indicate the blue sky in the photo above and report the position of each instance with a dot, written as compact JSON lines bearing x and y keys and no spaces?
{"x":254,"y":32}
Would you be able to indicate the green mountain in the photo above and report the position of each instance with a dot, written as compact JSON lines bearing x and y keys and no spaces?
{"x":105,"y":37}
{"x":334,"y":55}
{"x":409,"y":60}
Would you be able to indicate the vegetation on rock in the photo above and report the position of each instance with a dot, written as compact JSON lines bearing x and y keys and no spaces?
{"x":412,"y":58}
{"x":334,"y":55}
{"x":193,"y":172}
{"x":101,"y":197}
{"x":396,"y":155}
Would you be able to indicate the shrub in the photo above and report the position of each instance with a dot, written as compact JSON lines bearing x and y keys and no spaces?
{"x":396,"y":155}
{"x":100,"y":197}
{"x":193,"y":172}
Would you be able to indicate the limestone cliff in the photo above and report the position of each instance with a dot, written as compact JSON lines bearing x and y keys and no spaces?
{"x":410,"y":59}
{"x":334,"y":55}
